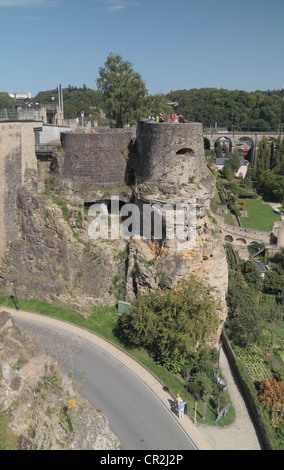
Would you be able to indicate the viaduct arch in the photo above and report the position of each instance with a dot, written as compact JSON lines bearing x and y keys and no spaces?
{"x":211,"y":137}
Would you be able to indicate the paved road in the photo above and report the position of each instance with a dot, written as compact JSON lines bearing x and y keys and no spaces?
{"x":137,"y":417}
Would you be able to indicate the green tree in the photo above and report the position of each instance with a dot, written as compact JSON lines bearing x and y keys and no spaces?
{"x":235,"y":160}
{"x":245,"y":320}
{"x":264,"y":155}
{"x":251,"y":275}
{"x":271,"y":185}
{"x":6,"y":101}
{"x":156,"y":104}
{"x":76,"y":100}
{"x":173,"y":322}
{"x":218,"y":149}
{"x":274,"y":281}
{"x":228,"y":172}
{"x":123,"y":90}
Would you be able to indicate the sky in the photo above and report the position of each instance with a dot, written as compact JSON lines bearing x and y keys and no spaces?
{"x":172,"y":44}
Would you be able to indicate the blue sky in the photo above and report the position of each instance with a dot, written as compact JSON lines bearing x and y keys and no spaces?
{"x":173,"y":44}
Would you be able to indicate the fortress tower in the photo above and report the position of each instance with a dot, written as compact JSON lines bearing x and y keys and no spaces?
{"x":170,"y":152}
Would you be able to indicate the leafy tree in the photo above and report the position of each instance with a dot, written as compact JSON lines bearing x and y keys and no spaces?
{"x":6,"y":101}
{"x":245,"y":321}
{"x":274,"y":281}
{"x":271,"y":185}
{"x":264,"y":155}
{"x":259,"y":110}
{"x":173,"y":322}
{"x":228,"y":172}
{"x":123,"y":90}
{"x":156,"y":104}
{"x":235,"y":160}
{"x":76,"y":100}
{"x":218,"y":149}
{"x":251,"y":275}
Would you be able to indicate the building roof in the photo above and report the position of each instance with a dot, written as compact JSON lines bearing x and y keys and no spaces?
{"x":222,"y":161}
{"x":259,"y":266}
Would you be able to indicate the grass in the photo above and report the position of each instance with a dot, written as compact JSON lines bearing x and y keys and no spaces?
{"x":103,"y":322}
{"x":260,"y":216}
{"x":8,"y":440}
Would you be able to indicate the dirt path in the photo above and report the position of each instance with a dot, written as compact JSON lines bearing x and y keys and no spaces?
{"x":242,"y":434}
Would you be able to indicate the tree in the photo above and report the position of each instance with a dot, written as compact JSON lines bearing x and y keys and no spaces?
{"x":228,"y":172}
{"x":123,"y":90}
{"x":218,"y":149}
{"x":245,"y":323}
{"x":6,"y":101}
{"x":173,"y":322}
{"x":157,"y":104}
{"x":235,"y":160}
{"x":274,"y":281}
{"x":251,"y":275}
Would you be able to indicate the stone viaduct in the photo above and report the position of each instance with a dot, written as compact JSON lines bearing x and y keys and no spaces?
{"x":211,"y":137}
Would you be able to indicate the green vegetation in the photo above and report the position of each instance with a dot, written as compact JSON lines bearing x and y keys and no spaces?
{"x":8,"y":440}
{"x":76,"y":100}
{"x":260,"y":216}
{"x":104,"y":321}
{"x":255,"y":329}
{"x":171,"y":323}
{"x":257,"y":110}
{"x":6,"y":101}
{"x":270,"y":169}
{"x":123,"y":90}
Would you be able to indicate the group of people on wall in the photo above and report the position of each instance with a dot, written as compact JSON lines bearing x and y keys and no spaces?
{"x":173,"y":118}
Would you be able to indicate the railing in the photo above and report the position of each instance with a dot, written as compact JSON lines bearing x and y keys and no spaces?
{"x":19,"y":115}
{"x":46,"y":149}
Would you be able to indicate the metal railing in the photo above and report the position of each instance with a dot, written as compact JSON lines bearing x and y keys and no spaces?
{"x":19,"y":114}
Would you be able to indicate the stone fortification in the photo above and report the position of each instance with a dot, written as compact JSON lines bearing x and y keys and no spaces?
{"x":170,"y":168}
{"x":18,"y":168}
{"x":171,"y":151}
{"x":166,"y":163}
{"x":94,"y":160}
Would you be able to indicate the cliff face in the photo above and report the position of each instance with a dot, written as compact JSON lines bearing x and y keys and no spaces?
{"x":35,"y":396}
{"x":53,"y":257}
{"x":173,"y":169}
{"x":55,"y":262}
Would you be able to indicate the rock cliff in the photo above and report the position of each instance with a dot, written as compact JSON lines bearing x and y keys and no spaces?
{"x":44,"y":408}
{"x":53,"y":257}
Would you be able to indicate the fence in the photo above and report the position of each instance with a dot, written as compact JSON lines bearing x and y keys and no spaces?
{"x":19,"y":114}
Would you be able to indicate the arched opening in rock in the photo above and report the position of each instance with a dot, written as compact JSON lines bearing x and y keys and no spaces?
{"x":187,"y":152}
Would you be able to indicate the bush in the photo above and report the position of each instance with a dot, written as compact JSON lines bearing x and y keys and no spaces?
{"x":172,"y":322}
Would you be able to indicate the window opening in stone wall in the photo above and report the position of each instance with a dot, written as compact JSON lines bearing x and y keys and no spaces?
{"x":187,"y":152}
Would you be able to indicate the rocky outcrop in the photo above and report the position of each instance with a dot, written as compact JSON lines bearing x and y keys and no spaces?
{"x":173,"y":168}
{"x":53,"y":258}
{"x":45,"y":410}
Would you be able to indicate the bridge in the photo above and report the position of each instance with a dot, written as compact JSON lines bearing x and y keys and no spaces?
{"x":234,"y":138}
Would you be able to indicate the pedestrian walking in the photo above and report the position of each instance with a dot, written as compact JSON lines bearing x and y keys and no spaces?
{"x":178,"y":400}
{"x":181,"y":406}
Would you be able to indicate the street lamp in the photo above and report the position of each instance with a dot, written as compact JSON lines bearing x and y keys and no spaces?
{"x":17,"y":305}
{"x":187,"y":377}
{"x":220,"y":383}
{"x":220,"y":345}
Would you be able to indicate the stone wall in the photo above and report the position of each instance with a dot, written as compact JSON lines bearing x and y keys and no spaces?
{"x":18,"y":164}
{"x":171,"y":151}
{"x":95,"y":160}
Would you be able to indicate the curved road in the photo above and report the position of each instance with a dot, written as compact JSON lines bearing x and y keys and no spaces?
{"x":135,"y":414}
